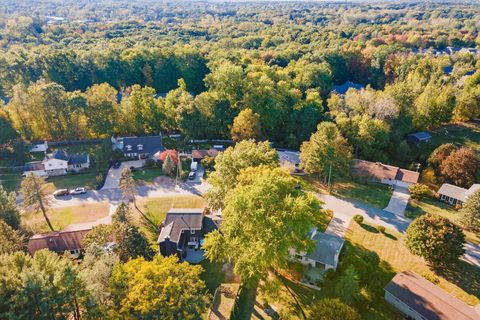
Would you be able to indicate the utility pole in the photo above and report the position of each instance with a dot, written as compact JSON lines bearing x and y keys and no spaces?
{"x":329,"y":176}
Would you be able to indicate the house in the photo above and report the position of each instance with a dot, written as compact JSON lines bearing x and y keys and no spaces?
{"x":343,"y":88}
{"x":199,"y":155}
{"x":385,"y":174}
{"x":139,"y":147}
{"x":419,"y":137}
{"x":39,"y":146}
{"x":183,"y":231}
{"x":455,"y":195}
{"x":326,"y":252}
{"x":59,"y":241}
{"x":58,"y":163}
{"x":419,"y":299}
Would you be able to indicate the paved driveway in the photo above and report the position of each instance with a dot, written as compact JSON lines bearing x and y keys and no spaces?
{"x":399,"y":200}
{"x":113,"y":175}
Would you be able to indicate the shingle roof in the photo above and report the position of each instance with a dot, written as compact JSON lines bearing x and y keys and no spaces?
{"x":420,"y":136}
{"x":178,"y":220}
{"x":78,"y":159}
{"x":326,"y":247}
{"x":147,"y":144}
{"x":474,"y":188}
{"x":407,"y":175}
{"x":343,"y":88}
{"x":452,"y":191}
{"x":58,"y":241}
{"x":382,"y":171}
{"x":60,"y":154}
{"x":428,"y":299}
{"x":200,"y":154}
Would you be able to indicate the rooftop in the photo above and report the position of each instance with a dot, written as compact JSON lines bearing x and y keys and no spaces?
{"x":57,"y":241}
{"x":146,"y":144}
{"x":343,"y":88}
{"x":452,"y":191}
{"x":428,"y":299}
{"x":178,"y":220}
{"x":384,"y":171}
{"x":326,"y":247}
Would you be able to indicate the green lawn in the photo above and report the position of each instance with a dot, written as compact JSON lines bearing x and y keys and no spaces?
{"x":417,"y":208}
{"x":146,"y":175}
{"x":70,"y":181}
{"x":11,"y":181}
{"x":463,"y":281}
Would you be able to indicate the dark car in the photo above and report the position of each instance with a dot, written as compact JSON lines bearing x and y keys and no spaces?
{"x":61,"y":193}
{"x":192,"y":175}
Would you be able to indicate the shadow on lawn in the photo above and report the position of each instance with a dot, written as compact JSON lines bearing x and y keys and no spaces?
{"x":369,"y":228}
{"x":464,"y":275}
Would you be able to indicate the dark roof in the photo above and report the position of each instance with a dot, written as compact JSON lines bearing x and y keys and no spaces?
{"x":5,"y":100}
{"x":407,"y":175}
{"x":326,"y":247}
{"x":60,"y":154}
{"x":447,"y":70}
{"x":58,"y":241}
{"x":35,"y":166}
{"x":178,"y":220}
{"x":470,"y":73}
{"x":211,"y":223}
{"x":343,"y":88}
{"x":420,"y":136}
{"x":147,"y":144}
{"x":78,"y":159}
{"x":427,"y":299}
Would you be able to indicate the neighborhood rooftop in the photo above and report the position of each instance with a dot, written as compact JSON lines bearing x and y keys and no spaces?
{"x":427,"y":299}
{"x":143,"y":145}
{"x":327,"y":247}
{"x":58,"y":241}
{"x":178,"y":220}
{"x":343,"y":88}
{"x":385,"y":172}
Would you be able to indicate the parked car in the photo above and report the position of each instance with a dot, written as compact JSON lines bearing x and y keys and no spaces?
{"x":77,"y":191}
{"x":192,"y":175}
{"x":117,"y":165}
{"x":61,"y":193}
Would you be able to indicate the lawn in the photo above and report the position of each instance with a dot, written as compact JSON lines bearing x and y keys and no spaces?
{"x":463,"y":281}
{"x":62,"y":217}
{"x":146,"y":175}
{"x":71,"y":181}
{"x":375,"y":194}
{"x":224,"y":301}
{"x":417,"y":208}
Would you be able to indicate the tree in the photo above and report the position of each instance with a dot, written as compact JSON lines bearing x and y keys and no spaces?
{"x":326,"y":150}
{"x":229,"y":163}
{"x":8,"y":208}
{"x":436,"y":239}
{"x":34,"y":196}
{"x":460,"y":167}
{"x":10,"y":240}
{"x":103,"y":111}
{"x":264,"y":216}
{"x":45,"y":286}
{"x":129,"y":240}
{"x":418,"y":191}
{"x":440,"y":154}
{"x":168,"y":166}
{"x":246,"y":126}
{"x":470,"y":213}
{"x":332,"y":309}
{"x":347,"y":287}
{"x":162,"y":288}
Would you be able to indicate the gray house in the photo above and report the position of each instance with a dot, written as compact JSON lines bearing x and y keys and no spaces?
{"x":139,"y":147}
{"x":183,"y":231}
{"x":419,"y":299}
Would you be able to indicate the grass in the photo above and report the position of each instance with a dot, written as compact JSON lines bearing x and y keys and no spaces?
{"x":62,"y":217}
{"x":417,"y":208}
{"x":70,"y":181}
{"x":147,"y":175}
{"x":11,"y":181}
{"x":462,"y":282}
{"x":224,"y":301}
{"x":374,"y":194}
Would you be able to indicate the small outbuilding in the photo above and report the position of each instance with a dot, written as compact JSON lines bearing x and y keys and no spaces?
{"x":39,"y":146}
{"x":419,"y":137}
{"x":343,"y":88}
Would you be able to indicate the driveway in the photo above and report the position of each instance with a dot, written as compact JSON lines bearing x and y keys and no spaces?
{"x":113,"y":175}
{"x":472,"y":254}
{"x":399,"y":200}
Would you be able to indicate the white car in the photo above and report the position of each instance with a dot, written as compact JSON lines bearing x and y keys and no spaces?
{"x":77,"y":191}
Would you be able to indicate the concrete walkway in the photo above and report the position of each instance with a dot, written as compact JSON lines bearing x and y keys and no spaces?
{"x":399,"y":201}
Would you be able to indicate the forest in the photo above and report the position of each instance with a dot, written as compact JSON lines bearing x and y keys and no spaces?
{"x":94,"y":70}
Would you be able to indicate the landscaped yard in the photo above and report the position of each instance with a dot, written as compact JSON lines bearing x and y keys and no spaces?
{"x":146,"y":175}
{"x":417,"y":208}
{"x":62,"y":217}
{"x":463,"y":281}
{"x":71,"y":181}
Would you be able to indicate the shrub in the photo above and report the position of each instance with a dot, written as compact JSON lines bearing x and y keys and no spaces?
{"x":381,"y":229}
{"x":418,"y":191}
{"x":149,"y":163}
{"x":358,"y":218}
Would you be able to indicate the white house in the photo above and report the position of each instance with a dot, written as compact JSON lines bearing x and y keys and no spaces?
{"x":326,"y":252}
{"x":455,"y":195}
{"x":58,"y":163}
{"x":39,"y":146}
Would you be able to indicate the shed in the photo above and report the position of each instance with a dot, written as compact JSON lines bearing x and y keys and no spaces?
{"x":418,"y":137}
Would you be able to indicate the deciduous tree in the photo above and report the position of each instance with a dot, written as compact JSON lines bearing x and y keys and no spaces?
{"x":470,"y":212}
{"x":10,"y":240}
{"x":246,"y":126}
{"x":460,"y":167}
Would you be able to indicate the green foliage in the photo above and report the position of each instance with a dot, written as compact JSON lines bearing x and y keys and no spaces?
{"x":419,"y":191}
{"x":460,"y":167}
{"x":332,"y":309}
{"x":246,"y":126}
{"x":347,"y":286}
{"x":8,"y":208}
{"x":229,"y":163}
{"x":162,"y":288}
{"x":358,"y":218}
{"x":208,"y":163}
{"x":470,"y":213}
{"x":436,"y":239}
{"x":44,"y":286}
{"x":275,"y":217}
{"x":381,"y":229}
{"x":440,"y":154}
{"x":10,"y":240}
{"x":34,"y":196}
{"x":168,"y":166}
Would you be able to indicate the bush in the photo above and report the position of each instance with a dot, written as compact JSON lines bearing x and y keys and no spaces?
{"x":358,"y":218}
{"x":419,"y":191}
{"x":381,"y":229}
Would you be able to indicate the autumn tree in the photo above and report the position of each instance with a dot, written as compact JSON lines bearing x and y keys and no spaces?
{"x":418,"y":191}
{"x":275,"y":216}
{"x":332,"y":309}
{"x":35,"y":197}
{"x":229,"y":163}
{"x":470,"y":213}
{"x":246,"y":126}
{"x":436,"y":239}
{"x":168,"y":166}
{"x":103,"y":112}
{"x":460,"y":167}
{"x":440,"y":154}
{"x":8,"y":208}
{"x":326,"y":150}
{"x":163,"y":288}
